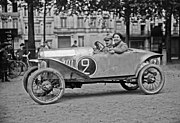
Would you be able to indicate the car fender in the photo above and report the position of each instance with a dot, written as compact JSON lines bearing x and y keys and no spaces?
{"x":151,"y":55}
{"x":33,"y":62}
{"x":145,"y":58}
{"x":68,"y":72}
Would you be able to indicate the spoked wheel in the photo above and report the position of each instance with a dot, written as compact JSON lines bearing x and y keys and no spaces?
{"x":23,"y":67}
{"x":27,"y":75}
{"x":129,"y":86}
{"x":46,"y":86}
{"x":14,"y":69}
{"x":151,"y":79}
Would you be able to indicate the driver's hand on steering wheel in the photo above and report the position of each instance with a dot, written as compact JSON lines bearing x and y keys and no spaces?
{"x":99,"y":46}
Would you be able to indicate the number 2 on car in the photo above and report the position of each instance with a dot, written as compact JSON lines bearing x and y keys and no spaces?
{"x":87,"y":65}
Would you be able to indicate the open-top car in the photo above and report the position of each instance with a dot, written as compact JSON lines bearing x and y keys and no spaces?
{"x":72,"y":67}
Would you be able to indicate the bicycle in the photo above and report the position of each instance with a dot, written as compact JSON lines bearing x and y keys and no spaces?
{"x":28,"y":63}
{"x":14,"y":68}
{"x":24,"y":63}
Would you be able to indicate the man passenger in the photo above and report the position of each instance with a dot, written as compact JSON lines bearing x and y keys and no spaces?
{"x":108,"y":41}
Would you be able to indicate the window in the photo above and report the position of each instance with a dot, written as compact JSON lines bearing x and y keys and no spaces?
{"x":105,"y":23}
{"x":64,"y":41}
{"x":15,"y":23}
{"x":48,"y":11}
{"x":48,"y":28}
{"x":137,"y":44}
{"x":4,"y":24}
{"x":36,"y":13}
{"x":26,"y":29}
{"x":118,"y":25}
{"x":152,"y":26}
{"x":81,"y":41}
{"x":156,"y":44}
{"x":37,"y":28}
{"x":92,"y":23}
{"x":25,"y":11}
{"x":80,"y":23}
{"x":175,"y":28}
{"x":63,"y":22}
{"x":142,"y":29}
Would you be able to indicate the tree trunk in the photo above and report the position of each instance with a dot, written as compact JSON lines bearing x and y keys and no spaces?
{"x":127,"y":31}
{"x":168,"y":35}
{"x":179,"y":34}
{"x":31,"y":41}
{"x":14,"y":4}
{"x":127,"y":20}
{"x":44,"y":23}
{"x":4,"y":6}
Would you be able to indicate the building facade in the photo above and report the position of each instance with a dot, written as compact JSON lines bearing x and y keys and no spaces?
{"x":9,"y":24}
{"x":62,"y":29}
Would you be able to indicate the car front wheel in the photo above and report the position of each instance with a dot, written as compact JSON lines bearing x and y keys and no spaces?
{"x":151,"y":79}
{"x":46,"y":86}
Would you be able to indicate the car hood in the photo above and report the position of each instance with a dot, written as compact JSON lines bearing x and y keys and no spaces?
{"x":66,"y":52}
{"x":145,"y":52}
{"x":139,"y":50}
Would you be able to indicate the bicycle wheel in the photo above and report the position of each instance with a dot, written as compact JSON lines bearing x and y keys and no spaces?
{"x":14,"y":69}
{"x":23,"y":67}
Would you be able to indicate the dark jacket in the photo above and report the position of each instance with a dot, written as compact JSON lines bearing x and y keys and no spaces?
{"x":21,"y":52}
{"x":3,"y":60}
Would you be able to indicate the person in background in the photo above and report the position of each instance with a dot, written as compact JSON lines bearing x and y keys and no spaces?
{"x":119,"y":46}
{"x":10,"y":51}
{"x":4,"y":62}
{"x":46,"y":45}
{"x":75,"y":44}
{"x":21,"y":52}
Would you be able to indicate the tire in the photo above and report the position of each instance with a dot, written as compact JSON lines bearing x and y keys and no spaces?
{"x":129,"y":86}
{"x":45,"y":84}
{"x":147,"y":80}
{"x":23,"y":67}
{"x":26,"y":76}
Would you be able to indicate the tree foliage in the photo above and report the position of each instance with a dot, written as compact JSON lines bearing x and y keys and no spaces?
{"x":145,"y":9}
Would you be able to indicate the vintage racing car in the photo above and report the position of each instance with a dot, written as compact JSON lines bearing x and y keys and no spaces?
{"x":72,"y":67}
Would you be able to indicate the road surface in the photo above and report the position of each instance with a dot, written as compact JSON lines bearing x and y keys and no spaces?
{"x":97,"y":103}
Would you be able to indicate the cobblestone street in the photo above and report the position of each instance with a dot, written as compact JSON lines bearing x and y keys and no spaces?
{"x":97,"y":103}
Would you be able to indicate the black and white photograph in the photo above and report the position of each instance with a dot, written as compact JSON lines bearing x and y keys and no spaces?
{"x":89,"y":61}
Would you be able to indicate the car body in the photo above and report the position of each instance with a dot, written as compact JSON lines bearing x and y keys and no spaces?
{"x":73,"y":67}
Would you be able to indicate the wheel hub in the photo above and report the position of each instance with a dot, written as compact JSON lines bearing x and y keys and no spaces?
{"x":47,"y":86}
{"x":151,"y":79}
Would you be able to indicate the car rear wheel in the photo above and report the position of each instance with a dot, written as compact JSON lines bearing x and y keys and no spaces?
{"x":26,"y":76}
{"x":129,"y":86}
{"x":46,"y":86}
{"x":151,"y":79}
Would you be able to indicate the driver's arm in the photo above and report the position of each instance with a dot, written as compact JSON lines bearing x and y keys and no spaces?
{"x":120,"y":48}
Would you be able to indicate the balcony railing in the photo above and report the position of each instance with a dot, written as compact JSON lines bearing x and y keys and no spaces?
{"x":82,"y":30}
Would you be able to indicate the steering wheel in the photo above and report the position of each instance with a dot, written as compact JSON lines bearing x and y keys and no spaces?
{"x":100,"y":46}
